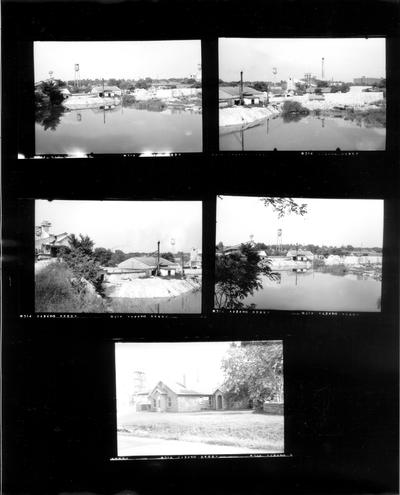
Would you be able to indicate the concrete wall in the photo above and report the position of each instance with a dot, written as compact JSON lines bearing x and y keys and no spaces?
{"x":273,"y":407}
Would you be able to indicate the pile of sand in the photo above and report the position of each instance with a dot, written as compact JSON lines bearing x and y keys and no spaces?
{"x":150,"y":288}
{"x":245,"y":115}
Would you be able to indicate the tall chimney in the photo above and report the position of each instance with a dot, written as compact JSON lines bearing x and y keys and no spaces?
{"x":184,"y":380}
{"x":241,"y":87}
{"x":323,"y":74}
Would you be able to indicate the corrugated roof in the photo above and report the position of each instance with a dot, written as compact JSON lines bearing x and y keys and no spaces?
{"x":133,"y":264}
{"x":234,"y":91}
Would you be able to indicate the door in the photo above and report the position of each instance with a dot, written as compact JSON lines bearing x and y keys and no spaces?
{"x":219,"y":402}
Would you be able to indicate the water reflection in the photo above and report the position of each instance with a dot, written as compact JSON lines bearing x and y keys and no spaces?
{"x":49,"y":116}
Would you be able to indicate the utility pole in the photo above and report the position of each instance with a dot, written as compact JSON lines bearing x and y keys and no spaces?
{"x":158,"y":259}
{"x":183,"y":264}
{"x":241,"y":88}
{"x":323,"y":72}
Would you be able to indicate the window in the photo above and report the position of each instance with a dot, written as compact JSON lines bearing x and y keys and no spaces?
{"x":169,"y":402}
{"x":154,"y":402}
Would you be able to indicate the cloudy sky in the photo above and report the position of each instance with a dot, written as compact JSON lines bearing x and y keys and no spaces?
{"x":330,"y":222}
{"x":116,"y":59}
{"x":199,"y":361}
{"x":345,"y":59}
{"x":127,"y":225}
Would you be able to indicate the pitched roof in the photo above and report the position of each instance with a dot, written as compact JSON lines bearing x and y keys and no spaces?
{"x":234,"y":91}
{"x":133,"y":264}
{"x":152,"y":261}
{"x":300,"y":252}
{"x":178,"y":389}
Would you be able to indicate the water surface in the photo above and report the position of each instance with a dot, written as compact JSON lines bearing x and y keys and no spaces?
{"x":120,"y":130}
{"x":307,"y":133}
{"x":318,"y":291}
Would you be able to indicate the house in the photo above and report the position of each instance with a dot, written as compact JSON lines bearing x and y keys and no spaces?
{"x":176,"y":397}
{"x":106,"y":91}
{"x":237,"y":248}
{"x":147,"y":266}
{"x":48,"y":245}
{"x":230,"y":96}
{"x":300,"y":255}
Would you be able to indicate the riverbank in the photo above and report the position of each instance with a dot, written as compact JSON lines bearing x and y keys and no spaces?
{"x":153,"y":287}
{"x":369,"y":107}
{"x":87,"y":101}
{"x":245,"y":117}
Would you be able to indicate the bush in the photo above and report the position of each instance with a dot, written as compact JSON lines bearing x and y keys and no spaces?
{"x":293,"y":107}
{"x":55,"y":292}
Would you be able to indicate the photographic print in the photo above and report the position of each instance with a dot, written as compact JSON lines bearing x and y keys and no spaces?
{"x":118,"y":256}
{"x":298,"y":254}
{"x":203,"y":398}
{"x":294,"y":94}
{"x":118,"y":97}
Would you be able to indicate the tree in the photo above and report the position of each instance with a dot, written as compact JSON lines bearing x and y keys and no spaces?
{"x":141,"y":84}
{"x":260,"y":86}
{"x":285,"y":206}
{"x":84,"y":243}
{"x":237,"y":275}
{"x":80,"y":259}
{"x":102,"y":255}
{"x":168,"y":256}
{"x":117,"y":257}
{"x":254,"y":371}
{"x":53,"y":91}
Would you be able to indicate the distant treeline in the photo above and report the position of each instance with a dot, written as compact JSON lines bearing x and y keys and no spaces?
{"x":126,"y":84}
{"x":271,"y":249}
{"x":106,"y":257}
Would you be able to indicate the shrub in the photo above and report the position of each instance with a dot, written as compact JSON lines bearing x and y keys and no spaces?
{"x":55,"y":292}
{"x":293,"y":107}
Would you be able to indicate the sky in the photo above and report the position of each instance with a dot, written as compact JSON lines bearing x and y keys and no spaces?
{"x":116,"y":59}
{"x":329,"y":222}
{"x":127,"y":225}
{"x":345,"y":58}
{"x":199,"y":361}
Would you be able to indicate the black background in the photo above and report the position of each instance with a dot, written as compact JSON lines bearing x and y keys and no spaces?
{"x":341,"y":371}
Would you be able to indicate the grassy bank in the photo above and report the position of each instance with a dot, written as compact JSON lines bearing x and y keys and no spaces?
{"x":239,"y":429}
{"x":55,"y":292}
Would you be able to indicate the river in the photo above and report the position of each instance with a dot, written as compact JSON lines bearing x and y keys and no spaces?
{"x":124,"y":129}
{"x":190,"y":302}
{"x":308,"y":133}
{"x":318,"y":291}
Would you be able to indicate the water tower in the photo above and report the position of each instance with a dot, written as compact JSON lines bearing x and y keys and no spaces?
{"x":51,"y":74}
{"x":139,"y":381}
{"x":173,"y":245}
{"x":77,"y":78}
{"x":274,"y":72}
{"x":279,"y":241}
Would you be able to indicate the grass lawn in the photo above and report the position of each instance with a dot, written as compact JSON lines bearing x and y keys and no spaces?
{"x":234,"y":428}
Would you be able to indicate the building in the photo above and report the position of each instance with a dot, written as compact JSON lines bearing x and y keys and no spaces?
{"x":106,"y":91}
{"x":195,"y":258}
{"x":300,"y":255}
{"x":141,"y":401}
{"x":146,"y":266}
{"x":230,"y":96}
{"x":367,"y":81}
{"x":48,"y":245}
{"x":177,"y":397}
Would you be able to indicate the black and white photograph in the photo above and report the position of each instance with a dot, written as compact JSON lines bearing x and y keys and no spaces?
{"x":199,"y":398}
{"x":292,"y":94}
{"x":118,"y":256}
{"x":117,"y":97}
{"x":298,"y":254}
